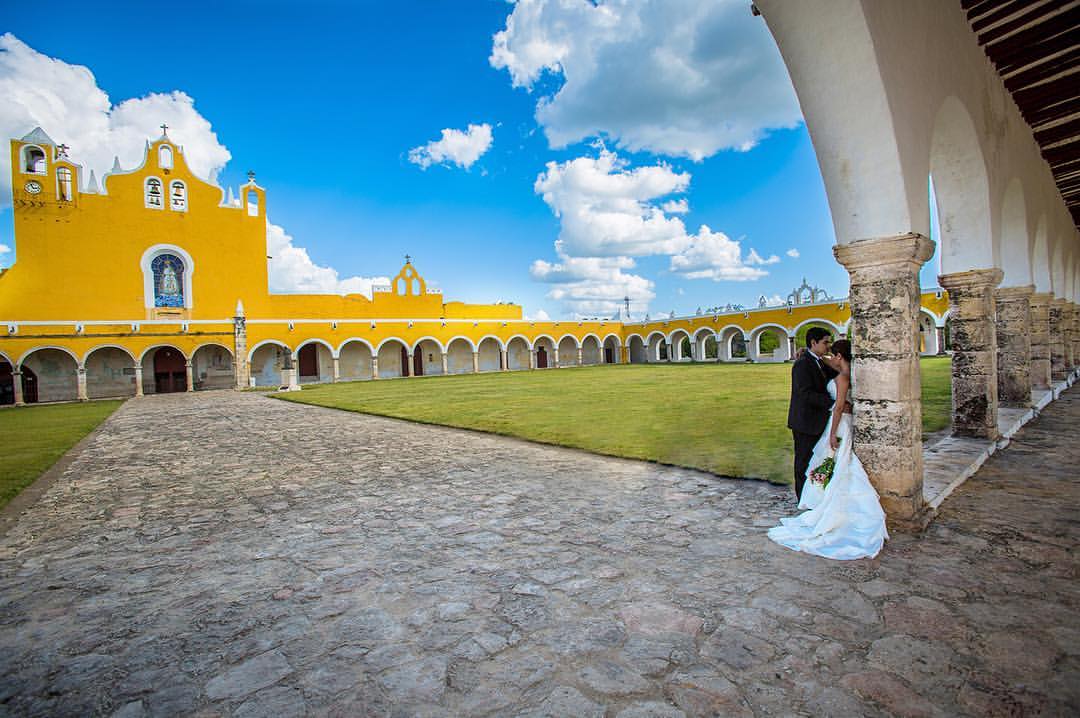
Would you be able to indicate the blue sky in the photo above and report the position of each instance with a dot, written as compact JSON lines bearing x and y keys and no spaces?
{"x":325,"y":103}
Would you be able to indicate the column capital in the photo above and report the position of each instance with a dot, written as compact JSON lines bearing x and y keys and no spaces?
{"x":911,"y":248}
{"x":1012,"y":293}
{"x":972,"y":280}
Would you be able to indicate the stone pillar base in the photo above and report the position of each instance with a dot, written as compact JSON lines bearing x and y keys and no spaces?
{"x":886,"y":384}
{"x":1040,"y":340}
{"x":974,"y":344}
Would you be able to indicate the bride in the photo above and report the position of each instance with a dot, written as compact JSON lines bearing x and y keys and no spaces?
{"x":845,"y":520}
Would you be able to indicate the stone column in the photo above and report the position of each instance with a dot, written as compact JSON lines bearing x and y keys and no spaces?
{"x":408,"y":364}
{"x":555,"y":357}
{"x":292,"y":371}
{"x":139,"y":380}
{"x":887,"y":385}
{"x":337,"y":369}
{"x":189,"y":376}
{"x":445,"y":370}
{"x":1075,"y":335}
{"x":476,"y":362}
{"x":532,"y":358}
{"x":1014,"y":344}
{"x":940,"y":332}
{"x":580,"y":356}
{"x":241,"y":367}
{"x":1058,"y":370}
{"x":81,"y":379}
{"x":670,"y":352}
{"x":374,"y":367}
{"x":1040,"y":340}
{"x":504,"y":358}
{"x":16,"y":378}
{"x":791,"y":348}
{"x":974,"y":344}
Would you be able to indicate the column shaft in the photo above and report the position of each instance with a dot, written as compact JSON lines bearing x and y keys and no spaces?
{"x":885,"y":375}
{"x":974,"y":345}
{"x":444,"y":367}
{"x":505,"y":359}
{"x":374,"y":367}
{"x":81,"y":379}
{"x":1013,"y":327}
{"x":16,"y":378}
{"x":1058,"y":370}
{"x":241,"y":368}
{"x":580,"y":356}
{"x":940,"y":332}
{"x":476,"y":362}
{"x":337,"y":369}
{"x":138,"y":381}
{"x":532,"y":358}
{"x":1040,"y":340}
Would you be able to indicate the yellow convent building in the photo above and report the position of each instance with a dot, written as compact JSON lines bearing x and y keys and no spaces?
{"x":157,"y":281}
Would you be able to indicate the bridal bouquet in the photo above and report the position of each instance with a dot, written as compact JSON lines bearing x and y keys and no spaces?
{"x":823,"y":473}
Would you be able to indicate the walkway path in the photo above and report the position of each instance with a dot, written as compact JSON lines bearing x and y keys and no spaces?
{"x":227,"y":553}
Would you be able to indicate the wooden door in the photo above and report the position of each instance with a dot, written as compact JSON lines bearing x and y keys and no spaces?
{"x":541,"y":358}
{"x":609,"y":355}
{"x":29,"y":385}
{"x":7,"y":384}
{"x":309,"y":360}
{"x":418,"y":362}
{"x":170,"y":371}
{"x":404,"y":362}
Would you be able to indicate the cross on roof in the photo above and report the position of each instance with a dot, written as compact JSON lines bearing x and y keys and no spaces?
{"x":408,"y":259}
{"x":62,"y":149}
{"x":251,"y":175}
{"x":164,"y":128}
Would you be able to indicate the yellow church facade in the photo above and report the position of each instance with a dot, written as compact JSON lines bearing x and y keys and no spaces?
{"x":157,"y":281}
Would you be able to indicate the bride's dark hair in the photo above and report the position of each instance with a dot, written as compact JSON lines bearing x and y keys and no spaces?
{"x":843,"y":348}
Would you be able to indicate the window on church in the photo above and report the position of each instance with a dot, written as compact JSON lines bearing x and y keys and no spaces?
{"x":34,"y":160}
{"x":63,"y":184}
{"x":253,"y":203}
{"x":153,"y":193}
{"x":165,"y":157}
{"x":168,"y":272}
{"x":178,"y":196}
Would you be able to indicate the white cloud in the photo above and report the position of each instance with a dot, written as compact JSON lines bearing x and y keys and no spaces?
{"x":293,"y":271}
{"x":607,"y":210}
{"x":455,"y":147}
{"x":774,"y":301}
{"x":593,"y":286}
{"x":65,"y":101}
{"x":539,"y":315}
{"x":714,"y":255}
{"x":793,"y":253}
{"x":676,"y":206}
{"x":682,"y":78}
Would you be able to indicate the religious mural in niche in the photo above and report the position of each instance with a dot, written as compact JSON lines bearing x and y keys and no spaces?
{"x":168,"y":272}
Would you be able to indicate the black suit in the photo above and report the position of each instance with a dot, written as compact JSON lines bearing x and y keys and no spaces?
{"x":808,"y":413}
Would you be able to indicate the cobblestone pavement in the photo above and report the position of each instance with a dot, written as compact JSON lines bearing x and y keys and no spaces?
{"x":229,"y":554}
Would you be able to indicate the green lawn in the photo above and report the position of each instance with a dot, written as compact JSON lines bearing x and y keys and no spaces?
{"x":729,"y":419}
{"x":36,"y":436}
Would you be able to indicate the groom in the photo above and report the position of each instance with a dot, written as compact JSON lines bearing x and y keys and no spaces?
{"x":808,"y":413}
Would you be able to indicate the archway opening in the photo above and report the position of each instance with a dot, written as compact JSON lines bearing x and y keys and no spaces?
{"x":110,"y":372}
{"x":590,"y":351}
{"x":166,"y":369}
{"x":568,"y":351}
{"x":212,"y":367}
{"x":267,"y":364}
{"x":490,"y":355}
{"x":517,"y":354}
{"x":459,"y":356}
{"x":50,"y":375}
{"x":354,"y":361}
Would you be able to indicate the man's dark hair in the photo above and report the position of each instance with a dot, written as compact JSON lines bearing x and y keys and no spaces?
{"x":816,"y":334}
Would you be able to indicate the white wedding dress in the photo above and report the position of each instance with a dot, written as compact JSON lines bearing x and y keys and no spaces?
{"x":845,"y":520}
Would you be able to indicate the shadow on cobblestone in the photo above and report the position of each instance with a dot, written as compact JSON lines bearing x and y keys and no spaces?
{"x":226,"y":553}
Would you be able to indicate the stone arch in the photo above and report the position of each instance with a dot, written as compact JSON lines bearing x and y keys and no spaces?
{"x":962,"y":188}
{"x":779,"y":354}
{"x":1014,"y":240}
{"x":354,"y":359}
{"x":314,"y":360}
{"x":392,"y":354}
{"x":517,"y":353}
{"x":544,"y":346}
{"x":611,"y":349}
{"x":110,"y":372}
{"x":267,"y":360}
{"x":928,"y":334}
{"x":430,"y":350}
{"x":656,"y":346}
{"x":635,"y":345}
{"x":489,"y":353}
{"x":459,"y":354}
{"x":164,"y":369}
{"x":212,"y":367}
{"x":49,"y":373}
{"x":676,"y":341}
{"x":799,"y":332}
{"x":704,"y":344}
{"x":7,"y":380}
{"x":729,"y":349}
{"x":591,"y":351}
{"x":1040,"y":257}
{"x":568,"y":350}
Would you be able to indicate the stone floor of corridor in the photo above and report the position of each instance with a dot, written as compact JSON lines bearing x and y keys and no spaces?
{"x":230,"y":554}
